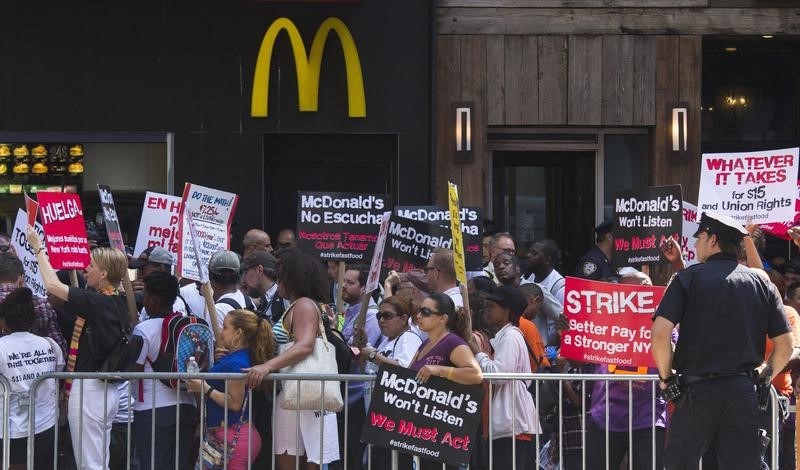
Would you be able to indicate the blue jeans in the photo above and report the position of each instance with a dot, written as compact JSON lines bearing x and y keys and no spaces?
{"x":164,"y":446}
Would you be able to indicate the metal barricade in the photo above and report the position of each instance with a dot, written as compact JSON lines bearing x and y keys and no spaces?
{"x":6,"y":397}
{"x":107,"y":379}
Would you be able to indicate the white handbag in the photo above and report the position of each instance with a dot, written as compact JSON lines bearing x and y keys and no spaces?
{"x":310,"y":394}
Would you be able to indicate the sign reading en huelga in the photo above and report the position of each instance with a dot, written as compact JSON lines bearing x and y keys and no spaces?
{"x":411,"y":243}
{"x":470,"y":226}
{"x":435,"y":420}
{"x":643,"y":218}
{"x":339,"y":226}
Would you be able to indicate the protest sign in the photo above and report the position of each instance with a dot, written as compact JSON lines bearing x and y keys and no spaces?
{"x":65,"y":230}
{"x":211,"y":211}
{"x":159,"y":225}
{"x":471,"y":228}
{"x":410,"y":244}
{"x":455,"y":230}
{"x":339,"y":226}
{"x":435,"y":420}
{"x":757,"y":186}
{"x":690,"y":226}
{"x":781,"y":229}
{"x":377,"y":257}
{"x":643,"y":219}
{"x":32,"y":208}
{"x":19,"y":240}
{"x":110,"y":218}
{"x":609,"y":323}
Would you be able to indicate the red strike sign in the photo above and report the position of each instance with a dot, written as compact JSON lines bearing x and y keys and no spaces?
{"x":609,"y":323}
{"x":64,"y":230}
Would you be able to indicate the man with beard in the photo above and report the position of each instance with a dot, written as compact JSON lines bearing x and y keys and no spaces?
{"x":260,"y":282}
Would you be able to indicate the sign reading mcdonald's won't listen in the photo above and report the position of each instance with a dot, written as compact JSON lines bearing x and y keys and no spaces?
{"x":308,"y":66}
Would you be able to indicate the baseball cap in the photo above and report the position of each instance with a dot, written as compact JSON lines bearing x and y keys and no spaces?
{"x":222,"y":260}
{"x":153,"y":254}
{"x":259,"y":258}
{"x":721,"y":225}
{"x":509,"y":297}
{"x":605,"y":227}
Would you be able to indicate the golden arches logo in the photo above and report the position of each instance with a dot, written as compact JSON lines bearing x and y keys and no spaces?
{"x":308,"y":67}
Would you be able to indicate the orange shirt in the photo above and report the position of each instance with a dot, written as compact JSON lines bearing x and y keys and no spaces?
{"x":534,"y":341}
{"x":783,"y":381}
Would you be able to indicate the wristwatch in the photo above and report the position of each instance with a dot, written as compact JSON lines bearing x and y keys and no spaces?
{"x":372,"y":355}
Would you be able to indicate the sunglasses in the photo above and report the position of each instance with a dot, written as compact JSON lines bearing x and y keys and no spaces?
{"x":387,"y":315}
{"x":426,"y":312}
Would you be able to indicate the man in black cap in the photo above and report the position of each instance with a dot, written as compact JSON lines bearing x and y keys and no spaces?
{"x":596,"y":263}
{"x":725,"y":312}
{"x":260,"y":281}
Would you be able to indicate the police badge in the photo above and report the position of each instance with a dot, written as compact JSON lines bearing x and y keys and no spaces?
{"x":589,"y":268}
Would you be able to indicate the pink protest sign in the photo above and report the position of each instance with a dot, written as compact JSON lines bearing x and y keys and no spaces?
{"x":609,"y":323}
{"x":64,"y":229}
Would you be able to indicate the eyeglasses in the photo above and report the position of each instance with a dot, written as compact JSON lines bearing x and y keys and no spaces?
{"x":426,"y":312}
{"x":428,"y":268}
{"x":387,"y":315}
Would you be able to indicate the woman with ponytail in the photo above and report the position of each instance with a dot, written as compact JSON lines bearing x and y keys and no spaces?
{"x":249,"y":340}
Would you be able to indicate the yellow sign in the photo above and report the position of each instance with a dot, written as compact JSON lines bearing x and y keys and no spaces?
{"x":455,"y":230}
{"x":308,"y":67}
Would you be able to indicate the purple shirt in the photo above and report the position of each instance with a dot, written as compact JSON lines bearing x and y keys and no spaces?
{"x":642,"y":393}
{"x":439,"y":355}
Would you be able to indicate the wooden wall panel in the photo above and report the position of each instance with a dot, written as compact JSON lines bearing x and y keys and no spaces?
{"x":553,"y":64}
{"x":585,"y":78}
{"x":644,"y":80}
{"x":448,"y":91}
{"x":617,"y":83}
{"x":495,"y":79}
{"x":470,"y":176}
{"x":522,"y":91}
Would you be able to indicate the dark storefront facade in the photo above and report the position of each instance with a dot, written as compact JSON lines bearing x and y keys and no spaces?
{"x":177,"y":78}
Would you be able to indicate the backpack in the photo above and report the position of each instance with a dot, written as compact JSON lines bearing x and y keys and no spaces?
{"x":183,"y":337}
{"x":248,"y":304}
{"x":344,"y":355}
{"x":126,"y":347}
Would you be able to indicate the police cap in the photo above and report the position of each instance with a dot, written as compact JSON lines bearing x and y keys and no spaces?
{"x":605,"y":227}
{"x":721,"y":225}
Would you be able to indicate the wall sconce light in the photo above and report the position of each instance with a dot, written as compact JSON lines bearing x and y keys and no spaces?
{"x":463,"y":131}
{"x":680,"y":128}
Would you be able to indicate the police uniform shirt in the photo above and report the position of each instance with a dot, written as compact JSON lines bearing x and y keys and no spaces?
{"x":595,"y":266}
{"x":724,"y":310}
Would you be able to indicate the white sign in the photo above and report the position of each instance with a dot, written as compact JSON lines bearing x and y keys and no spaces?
{"x":690,"y":225}
{"x":756,"y":186}
{"x":159,"y":223}
{"x":33,"y":278}
{"x":211,"y":211}
{"x":377,"y":256}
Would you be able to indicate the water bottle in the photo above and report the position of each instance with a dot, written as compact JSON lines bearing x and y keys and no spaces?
{"x":192,"y":367}
{"x":372,"y":369}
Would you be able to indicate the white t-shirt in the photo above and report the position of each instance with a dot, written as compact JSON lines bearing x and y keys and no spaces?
{"x":223,"y":309}
{"x":455,"y":294}
{"x":195,"y":300}
{"x":150,"y":331}
{"x":402,"y":348}
{"x":26,"y":356}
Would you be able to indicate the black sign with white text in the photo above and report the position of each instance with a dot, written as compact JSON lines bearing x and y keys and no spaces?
{"x":643,"y":219}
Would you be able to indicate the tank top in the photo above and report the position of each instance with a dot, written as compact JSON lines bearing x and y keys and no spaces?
{"x":439,"y":355}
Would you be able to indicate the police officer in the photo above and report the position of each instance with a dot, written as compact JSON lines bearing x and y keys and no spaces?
{"x":725,"y":312}
{"x":596,"y":263}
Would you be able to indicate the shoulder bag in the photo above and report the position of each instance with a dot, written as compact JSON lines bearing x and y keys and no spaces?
{"x":312,"y":394}
{"x":212,"y":454}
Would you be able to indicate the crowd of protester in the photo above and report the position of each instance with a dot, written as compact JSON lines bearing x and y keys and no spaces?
{"x":268,"y":302}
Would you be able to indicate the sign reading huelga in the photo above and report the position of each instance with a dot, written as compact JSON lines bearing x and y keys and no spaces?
{"x":644,"y":218}
{"x":434,"y":420}
{"x":470,"y":226}
{"x":339,"y":226}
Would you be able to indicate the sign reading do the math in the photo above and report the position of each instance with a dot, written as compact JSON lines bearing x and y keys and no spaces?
{"x":752,"y":186}
{"x":159,"y":225}
{"x":339,"y":226}
{"x":471,"y":228}
{"x":435,"y":420}
{"x":609,"y":323}
{"x":643,"y":219}
{"x":211,"y":213}
{"x":65,"y":230}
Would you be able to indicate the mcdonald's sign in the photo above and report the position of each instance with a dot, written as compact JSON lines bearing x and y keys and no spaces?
{"x":308,"y":67}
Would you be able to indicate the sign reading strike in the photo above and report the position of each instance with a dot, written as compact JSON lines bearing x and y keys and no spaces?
{"x":435,"y":420}
{"x":161,"y":214}
{"x":211,"y":213}
{"x":609,"y":323}
{"x":470,"y":228}
{"x":33,"y":278}
{"x":339,"y":226}
{"x":110,"y":218}
{"x":410,"y":244}
{"x":757,"y":186}
{"x":690,"y":226}
{"x":643,"y":219}
{"x":65,"y":230}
